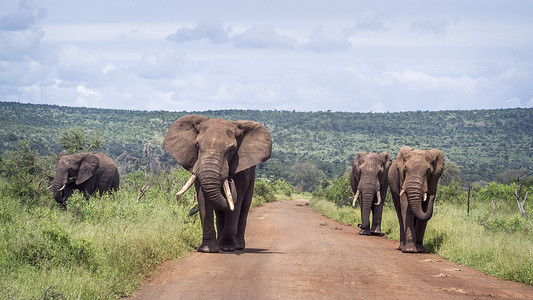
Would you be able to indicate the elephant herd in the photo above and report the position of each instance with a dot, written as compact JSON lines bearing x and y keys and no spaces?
{"x":221,"y":156}
{"x":413,"y":179}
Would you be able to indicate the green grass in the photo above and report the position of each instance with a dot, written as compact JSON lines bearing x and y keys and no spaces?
{"x":501,"y":246}
{"x":101,"y":249}
{"x":97,"y":250}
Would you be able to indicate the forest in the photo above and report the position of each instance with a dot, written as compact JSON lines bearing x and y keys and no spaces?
{"x":308,"y":147}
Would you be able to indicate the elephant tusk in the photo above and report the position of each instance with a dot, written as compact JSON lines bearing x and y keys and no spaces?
{"x":186,"y":186}
{"x":378,"y":194}
{"x":62,"y":188}
{"x":355,"y":198}
{"x":402,"y":192}
{"x":425,"y":196}
{"x":49,"y":187}
{"x":227,"y":190}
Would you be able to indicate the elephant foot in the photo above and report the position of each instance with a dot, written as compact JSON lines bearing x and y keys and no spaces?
{"x":364,"y":232}
{"x":227,"y":245}
{"x":240,"y":244}
{"x":376,"y":231}
{"x":208,"y":248}
{"x":413,"y":249}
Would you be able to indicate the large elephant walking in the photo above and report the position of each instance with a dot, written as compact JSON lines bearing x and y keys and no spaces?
{"x":221,"y":155}
{"x":413,"y":179}
{"x":369,"y":182}
{"x":86,"y":172}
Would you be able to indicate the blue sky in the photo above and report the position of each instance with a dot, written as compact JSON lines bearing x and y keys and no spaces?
{"x":339,"y":55}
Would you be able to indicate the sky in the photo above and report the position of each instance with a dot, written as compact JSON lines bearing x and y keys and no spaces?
{"x":334,"y":55}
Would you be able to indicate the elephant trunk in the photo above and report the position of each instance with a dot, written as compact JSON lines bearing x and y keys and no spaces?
{"x":415,"y":197}
{"x":211,"y":183}
{"x":368,"y":193}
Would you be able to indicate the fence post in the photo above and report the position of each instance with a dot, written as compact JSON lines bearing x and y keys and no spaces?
{"x":468,"y":201}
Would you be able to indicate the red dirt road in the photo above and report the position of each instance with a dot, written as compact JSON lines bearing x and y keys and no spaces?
{"x":295,"y":253}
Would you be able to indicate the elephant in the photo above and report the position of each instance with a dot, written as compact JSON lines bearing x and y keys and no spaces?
{"x":413,"y":179}
{"x":369,"y":181}
{"x":86,"y":172}
{"x":221,"y":156}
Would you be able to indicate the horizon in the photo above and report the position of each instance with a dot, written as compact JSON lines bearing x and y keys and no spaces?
{"x":264,"y":110}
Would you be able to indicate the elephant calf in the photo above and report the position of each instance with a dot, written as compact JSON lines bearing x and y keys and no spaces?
{"x":86,"y":172}
{"x":369,"y":182}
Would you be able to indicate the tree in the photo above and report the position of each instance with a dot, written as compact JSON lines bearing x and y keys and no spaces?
{"x":451,"y":173}
{"x":307,"y":176}
{"x":75,"y":140}
{"x":509,"y":176}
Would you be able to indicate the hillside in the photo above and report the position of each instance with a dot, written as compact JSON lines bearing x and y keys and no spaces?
{"x":482,"y":143}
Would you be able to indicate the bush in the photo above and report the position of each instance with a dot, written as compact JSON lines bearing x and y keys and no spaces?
{"x":263,"y":192}
{"x":27,"y":174}
{"x":337,"y":192}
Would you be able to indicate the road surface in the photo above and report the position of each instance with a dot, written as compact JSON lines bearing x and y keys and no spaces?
{"x":295,"y":253}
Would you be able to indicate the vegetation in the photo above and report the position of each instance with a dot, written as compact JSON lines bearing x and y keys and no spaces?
{"x":490,"y":235}
{"x":103,"y":248}
{"x":99,"y":249}
{"x":482,"y":143}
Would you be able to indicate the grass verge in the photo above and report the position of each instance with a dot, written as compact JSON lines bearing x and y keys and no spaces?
{"x":505,"y":252}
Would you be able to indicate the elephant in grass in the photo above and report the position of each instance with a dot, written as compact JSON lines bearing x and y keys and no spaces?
{"x":221,"y":155}
{"x":86,"y":172}
{"x":369,"y":181}
{"x":413,"y":179}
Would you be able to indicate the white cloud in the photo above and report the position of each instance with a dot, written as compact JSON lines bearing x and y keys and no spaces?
{"x":263,"y":36}
{"x":212,"y":30}
{"x":435,"y":26}
{"x":322,"y":40}
{"x":165,"y":63}
{"x":23,"y":18}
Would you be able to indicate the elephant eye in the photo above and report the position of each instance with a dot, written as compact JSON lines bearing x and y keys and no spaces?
{"x":197,"y":146}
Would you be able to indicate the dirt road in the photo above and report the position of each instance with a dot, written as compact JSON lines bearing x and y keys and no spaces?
{"x":294,"y":253}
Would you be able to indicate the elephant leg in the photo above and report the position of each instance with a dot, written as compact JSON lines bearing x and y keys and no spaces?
{"x":233,"y":233}
{"x":209,"y":239}
{"x":398,"y":208}
{"x":226,"y":240}
{"x":420,"y":230}
{"x":221,"y":221}
{"x":377,"y":212}
{"x":246,"y":203}
{"x":409,"y":228}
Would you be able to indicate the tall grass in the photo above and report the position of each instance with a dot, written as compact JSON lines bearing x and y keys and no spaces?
{"x":498,"y":242}
{"x":99,"y":249}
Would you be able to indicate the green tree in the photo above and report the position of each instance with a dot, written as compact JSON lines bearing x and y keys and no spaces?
{"x":76,"y":140}
{"x":306,"y":175}
{"x":451,"y":173}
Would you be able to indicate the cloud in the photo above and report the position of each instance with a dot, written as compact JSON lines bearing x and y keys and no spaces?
{"x":322,"y":40}
{"x":370,"y":22}
{"x":212,"y":30}
{"x":19,"y":35}
{"x":263,"y":36}
{"x":166,"y":63}
{"x":76,"y":63}
{"x":24,"y":17}
{"x":436,"y":26}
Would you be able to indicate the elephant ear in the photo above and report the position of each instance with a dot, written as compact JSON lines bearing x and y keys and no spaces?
{"x":88,"y":165}
{"x":254,"y":146}
{"x":354,"y":173}
{"x":180,"y":140}
{"x":386,"y":165}
{"x":438,"y":164}
{"x":403,"y":155}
